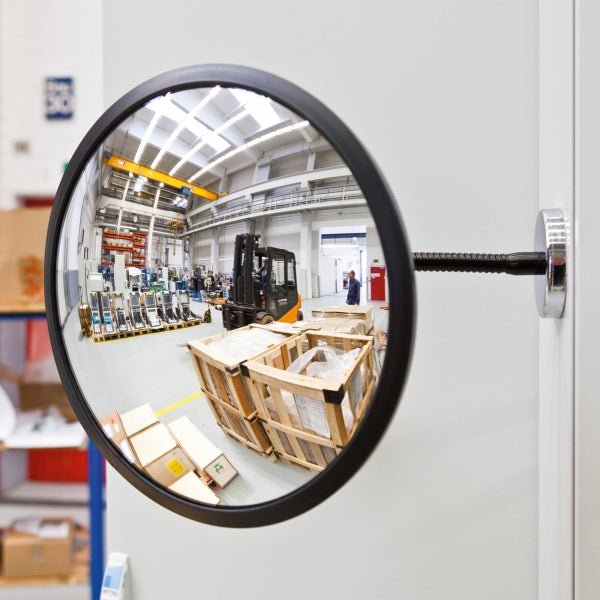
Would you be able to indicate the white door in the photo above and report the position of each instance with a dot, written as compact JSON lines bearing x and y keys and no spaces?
{"x":467,"y":107}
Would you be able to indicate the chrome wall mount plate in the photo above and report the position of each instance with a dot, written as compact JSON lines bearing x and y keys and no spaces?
{"x":551,"y":238}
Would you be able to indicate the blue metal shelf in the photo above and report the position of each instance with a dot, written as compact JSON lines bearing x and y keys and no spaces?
{"x":95,"y":487}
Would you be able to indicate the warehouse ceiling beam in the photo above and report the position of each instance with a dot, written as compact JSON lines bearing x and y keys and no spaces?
{"x":123,"y":164}
{"x":134,"y":208}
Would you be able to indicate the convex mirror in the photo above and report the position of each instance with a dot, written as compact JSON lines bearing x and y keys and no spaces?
{"x":204,"y":242}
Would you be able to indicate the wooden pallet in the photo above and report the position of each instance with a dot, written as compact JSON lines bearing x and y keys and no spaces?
{"x":134,"y":332}
{"x":248,"y":431}
{"x":172,"y":326}
{"x":301,"y":448}
{"x":191,"y":323}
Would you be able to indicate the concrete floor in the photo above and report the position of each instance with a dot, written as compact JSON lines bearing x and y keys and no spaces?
{"x":157,"y":369}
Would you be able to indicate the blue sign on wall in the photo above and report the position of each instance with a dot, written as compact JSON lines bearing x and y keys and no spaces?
{"x":60,"y":97}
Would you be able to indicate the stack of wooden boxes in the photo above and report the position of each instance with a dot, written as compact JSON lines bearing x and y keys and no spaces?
{"x":337,"y":316}
{"x":228,"y":391}
{"x":303,"y":420}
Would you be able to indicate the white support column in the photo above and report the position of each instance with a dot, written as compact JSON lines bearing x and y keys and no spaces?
{"x":303,"y":266}
{"x":125,"y":192}
{"x":556,"y":397}
{"x":214,"y":250}
{"x":151,"y":229}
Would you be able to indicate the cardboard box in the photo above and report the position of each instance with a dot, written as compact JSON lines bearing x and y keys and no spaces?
{"x":43,"y":395}
{"x":158,"y":454}
{"x":138,"y":419}
{"x":57,"y":465}
{"x":205,"y":456}
{"x":38,"y":548}
{"x":22,"y":241}
{"x":191,"y":486}
{"x":113,"y":428}
{"x":40,"y":388}
{"x":170,"y":467}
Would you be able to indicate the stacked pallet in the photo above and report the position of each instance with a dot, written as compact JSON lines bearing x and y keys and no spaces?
{"x":218,"y":363}
{"x":361,"y":312}
{"x":283,"y":402}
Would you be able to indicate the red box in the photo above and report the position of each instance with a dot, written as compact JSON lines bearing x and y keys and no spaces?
{"x":58,"y":465}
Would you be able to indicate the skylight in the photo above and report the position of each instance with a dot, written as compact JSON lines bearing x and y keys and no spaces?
{"x":255,"y":142}
{"x":215,"y":141}
{"x":188,"y":121}
{"x":258,"y":107}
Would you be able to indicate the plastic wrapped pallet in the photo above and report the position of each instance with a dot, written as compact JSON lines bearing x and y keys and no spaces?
{"x":346,"y":311}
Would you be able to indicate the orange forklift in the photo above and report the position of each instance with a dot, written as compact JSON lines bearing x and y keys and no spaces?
{"x":264,"y":285}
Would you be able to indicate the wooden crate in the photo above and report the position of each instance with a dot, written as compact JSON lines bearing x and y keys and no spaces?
{"x":304,"y":416}
{"x":220,"y":376}
{"x":336,"y":325}
{"x":227,"y":390}
{"x":249,"y":432}
{"x":356,"y":311}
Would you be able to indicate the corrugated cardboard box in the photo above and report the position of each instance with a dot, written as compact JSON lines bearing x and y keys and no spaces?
{"x":22,"y":241}
{"x":40,"y":388}
{"x":170,"y":467}
{"x":138,"y":419}
{"x":158,"y":454}
{"x":191,"y":486}
{"x":207,"y":458}
{"x":38,"y":548}
{"x":113,"y":428}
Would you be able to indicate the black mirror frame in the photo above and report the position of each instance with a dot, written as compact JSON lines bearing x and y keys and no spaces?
{"x":401,"y":288}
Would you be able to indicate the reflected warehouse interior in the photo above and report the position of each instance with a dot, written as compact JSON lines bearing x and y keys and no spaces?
{"x":203,"y":269}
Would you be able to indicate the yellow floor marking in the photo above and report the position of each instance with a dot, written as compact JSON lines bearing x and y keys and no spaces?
{"x":163,"y":411}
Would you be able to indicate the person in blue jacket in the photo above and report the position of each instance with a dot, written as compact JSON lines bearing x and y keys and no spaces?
{"x":353,"y":289}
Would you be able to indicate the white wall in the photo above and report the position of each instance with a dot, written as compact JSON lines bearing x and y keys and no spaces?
{"x":444,"y":96}
{"x":587,"y":334}
{"x":40,"y":39}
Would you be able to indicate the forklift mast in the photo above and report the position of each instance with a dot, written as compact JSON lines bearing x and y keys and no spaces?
{"x":253,"y":299}
{"x":242,"y":292}
{"x":246,"y":247}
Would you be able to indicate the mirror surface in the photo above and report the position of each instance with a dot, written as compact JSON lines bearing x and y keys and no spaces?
{"x":203,"y":266}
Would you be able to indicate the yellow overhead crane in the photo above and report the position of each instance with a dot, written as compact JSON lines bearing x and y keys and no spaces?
{"x":118,"y":162}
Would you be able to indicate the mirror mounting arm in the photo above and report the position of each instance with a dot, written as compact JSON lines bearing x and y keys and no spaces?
{"x":548,"y":263}
{"x":517,"y":263}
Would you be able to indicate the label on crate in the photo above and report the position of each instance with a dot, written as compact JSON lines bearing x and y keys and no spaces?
{"x":175,"y":467}
{"x":355,"y":390}
{"x":312,"y":414}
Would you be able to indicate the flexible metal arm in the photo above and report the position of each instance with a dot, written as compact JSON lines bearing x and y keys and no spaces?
{"x":517,"y":263}
{"x":548,"y":263}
